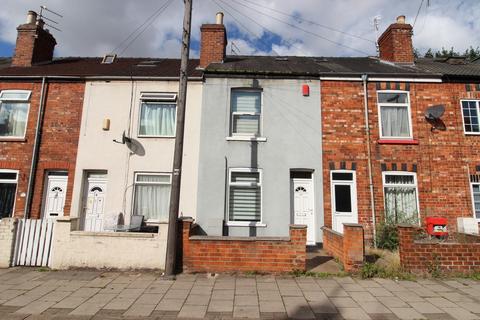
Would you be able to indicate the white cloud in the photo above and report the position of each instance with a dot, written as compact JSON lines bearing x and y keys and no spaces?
{"x":94,"y":27}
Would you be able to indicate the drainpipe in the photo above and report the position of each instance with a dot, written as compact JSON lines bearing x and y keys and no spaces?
{"x":369,"y":156}
{"x":36,"y":149}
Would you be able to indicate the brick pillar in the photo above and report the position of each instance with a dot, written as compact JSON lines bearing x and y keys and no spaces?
{"x":353,"y":246}
{"x":405,"y":243}
{"x":8,"y":228}
{"x":298,"y":238}
{"x":186,"y":223}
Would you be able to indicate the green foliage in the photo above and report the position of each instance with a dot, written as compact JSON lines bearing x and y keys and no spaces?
{"x":372,"y":270}
{"x":387,"y":233}
{"x":471,"y":53}
{"x":434,"y":266}
{"x":321,"y":275}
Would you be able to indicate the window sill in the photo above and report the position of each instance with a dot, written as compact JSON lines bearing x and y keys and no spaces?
{"x":398,"y":141}
{"x":246,"y":224}
{"x":156,"y":137}
{"x":4,"y":139}
{"x":259,"y":139}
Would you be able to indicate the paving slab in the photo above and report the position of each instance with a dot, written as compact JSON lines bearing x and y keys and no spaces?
{"x":250,"y":312}
{"x":353,"y":314}
{"x":393,"y":302}
{"x":407,"y":313}
{"x":170,"y":305}
{"x":460,"y":314}
{"x":192,"y":311}
{"x":36,"y":307}
{"x":374,"y":307}
{"x":140,"y":310}
{"x":425,"y":307}
{"x":298,"y":308}
{"x":198,"y":300}
{"x":272,"y":306}
{"x":246,"y":300}
{"x":362,"y":296}
{"x":220,"y":306}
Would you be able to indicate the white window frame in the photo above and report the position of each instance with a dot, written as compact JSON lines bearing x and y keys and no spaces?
{"x":15,"y":181}
{"x":401,"y":173}
{"x":157,"y":98}
{"x":27,"y":99}
{"x":135,"y":183}
{"x":408,"y":105}
{"x":477,"y":102}
{"x":473,"y":199}
{"x":259,"y":184}
{"x":246,"y":137}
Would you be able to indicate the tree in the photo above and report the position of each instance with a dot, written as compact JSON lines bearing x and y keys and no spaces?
{"x":470,"y":54}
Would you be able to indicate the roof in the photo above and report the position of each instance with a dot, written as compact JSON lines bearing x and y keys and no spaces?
{"x":337,"y":66}
{"x":92,"y":67}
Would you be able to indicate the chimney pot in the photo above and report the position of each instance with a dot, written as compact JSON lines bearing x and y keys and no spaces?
{"x":219,"y":18}
{"x":401,"y":19}
{"x":31,"y":17}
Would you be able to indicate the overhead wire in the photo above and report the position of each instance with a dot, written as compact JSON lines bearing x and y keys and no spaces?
{"x":304,"y":30}
{"x":243,"y":26}
{"x":418,"y":12}
{"x":310,"y":22}
{"x":258,"y":24}
{"x":139,"y":31}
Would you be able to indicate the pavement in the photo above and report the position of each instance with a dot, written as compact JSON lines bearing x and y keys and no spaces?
{"x":27,"y":293}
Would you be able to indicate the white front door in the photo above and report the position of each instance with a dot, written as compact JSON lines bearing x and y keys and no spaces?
{"x":55,"y":194}
{"x":344,"y":198}
{"x":96,"y":191}
{"x":303,"y":206}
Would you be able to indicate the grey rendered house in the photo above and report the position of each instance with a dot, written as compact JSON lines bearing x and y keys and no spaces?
{"x":260,"y":158}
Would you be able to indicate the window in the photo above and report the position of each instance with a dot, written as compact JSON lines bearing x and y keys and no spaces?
{"x":470,"y":112}
{"x":158,"y":113}
{"x":400,"y":191}
{"x":13,"y":113}
{"x":245,"y":195}
{"x":152,"y":196}
{"x":475,"y":185}
{"x":394,"y":115}
{"x":8,"y":188}
{"x":246,"y":110}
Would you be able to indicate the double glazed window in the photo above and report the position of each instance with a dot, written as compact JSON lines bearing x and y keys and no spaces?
{"x":401,"y":203}
{"x":470,"y":112}
{"x":245,"y":195}
{"x":14,"y":107}
{"x":394,"y":115}
{"x":246,"y":112}
{"x":157,"y":115}
{"x":8,"y":187}
{"x":152,"y":196}
{"x":475,"y":185}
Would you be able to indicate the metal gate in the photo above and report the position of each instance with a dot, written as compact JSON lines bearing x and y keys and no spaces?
{"x":33,"y":242}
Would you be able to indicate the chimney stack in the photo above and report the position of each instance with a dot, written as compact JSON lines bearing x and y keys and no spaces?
{"x":213,"y":42}
{"x":395,"y":43}
{"x":34,"y":43}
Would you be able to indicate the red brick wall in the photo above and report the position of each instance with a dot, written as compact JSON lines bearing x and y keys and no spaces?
{"x":442,"y":159}
{"x":33,"y":45}
{"x":416,"y":256}
{"x":348,"y":247}
{"x":230,"y":254}
{"x":213,"y":44}
{"x":58,"y":148}
{"x":395,"y":44}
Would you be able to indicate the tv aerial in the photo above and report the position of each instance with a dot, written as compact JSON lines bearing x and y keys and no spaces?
{"x":434,"y":114}
{"x":43,"y":10}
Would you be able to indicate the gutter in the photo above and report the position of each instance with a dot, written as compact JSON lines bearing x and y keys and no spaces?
{"x":99,"y":78}
{"x":36,"y":149}
{"x":369,"y":156}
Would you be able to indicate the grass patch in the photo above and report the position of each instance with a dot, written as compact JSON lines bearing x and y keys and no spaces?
{"x":43,"y":269}
{"x":320,"y":275}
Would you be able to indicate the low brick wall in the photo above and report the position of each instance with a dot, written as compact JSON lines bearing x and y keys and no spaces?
{"x":240,"y":254}
{"x":7,"y":241}
{"x":423,"y":256}
{"x":348,"y":248}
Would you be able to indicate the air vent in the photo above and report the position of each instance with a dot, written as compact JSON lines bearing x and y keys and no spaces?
{"x":109,"y":58}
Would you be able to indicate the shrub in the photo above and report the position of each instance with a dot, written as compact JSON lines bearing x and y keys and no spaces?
{"x":387,"y":233}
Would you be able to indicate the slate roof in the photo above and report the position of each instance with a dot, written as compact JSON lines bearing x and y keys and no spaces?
{"x":92,"y":67}
{"x":337,"y":66}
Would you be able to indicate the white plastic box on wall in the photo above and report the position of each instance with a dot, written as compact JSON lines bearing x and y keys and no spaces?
{"x":467,"y":225}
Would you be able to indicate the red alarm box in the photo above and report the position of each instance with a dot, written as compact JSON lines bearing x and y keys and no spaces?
{"x":436,"y":226}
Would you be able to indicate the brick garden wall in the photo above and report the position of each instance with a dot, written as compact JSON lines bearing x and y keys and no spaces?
{"x":421,"y":256}
{"x":348,"y":247}
{"x":442,"y":160}
{"x":241,"y":254}
{"x":58,"y":148}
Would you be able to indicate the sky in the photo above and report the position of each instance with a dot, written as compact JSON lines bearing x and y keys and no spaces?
{"x":260,"y":27}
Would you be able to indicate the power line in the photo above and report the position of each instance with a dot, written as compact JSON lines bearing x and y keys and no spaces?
{"x":304,"y":30}
{"x":243,"y":26}
{"x":311,"y":22}
{"x":148,"y":21}
{"x":260,"y":25}
{"x":418,"y":12}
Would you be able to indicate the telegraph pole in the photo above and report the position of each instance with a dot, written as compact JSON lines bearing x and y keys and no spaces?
{"x":177,"y":158}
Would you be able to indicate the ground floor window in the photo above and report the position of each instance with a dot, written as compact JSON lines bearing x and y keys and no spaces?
{"x":401,"y":201}
{"x":8,"y":188}
{"x":152,"y":196}
{"x":245,"y":195}
{"x":475,"y":184}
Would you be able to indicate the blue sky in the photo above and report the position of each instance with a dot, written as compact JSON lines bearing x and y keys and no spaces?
{"x":93,"y":27}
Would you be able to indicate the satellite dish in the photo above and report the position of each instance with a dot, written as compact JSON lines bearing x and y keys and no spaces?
{"x":435,"y":112}
{"x":125,"y":139}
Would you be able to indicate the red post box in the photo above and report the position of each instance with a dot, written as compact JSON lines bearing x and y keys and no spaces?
{"x":436,"y":226}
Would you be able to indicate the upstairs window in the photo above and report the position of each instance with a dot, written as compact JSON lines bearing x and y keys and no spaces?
{"x":394,"y":115}
{"x":157,"y":115}
{"x":401,"y":202}
{"x":14,"y":105}
{"x":245,"y":201}
{"x":246,"y":112}
{"x":470,"y":112}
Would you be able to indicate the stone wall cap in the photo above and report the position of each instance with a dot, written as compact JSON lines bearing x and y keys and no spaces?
{"x":298,"y":226}
{"x":186,"y":219}
{"x":356,"y":225}
{"x":228,"y":238}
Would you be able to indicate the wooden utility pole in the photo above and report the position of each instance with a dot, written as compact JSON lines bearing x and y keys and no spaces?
{"x":177,"y":158}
